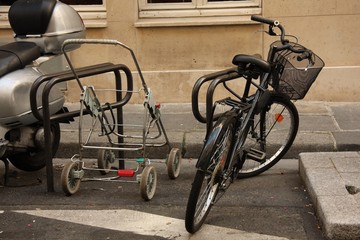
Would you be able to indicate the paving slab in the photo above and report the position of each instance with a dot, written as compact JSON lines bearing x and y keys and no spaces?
{"x":347,"y":140}
{"x":312,"y":107}
{"x":316,"y":123}
{"x":347,"y":115}
{"x":329,"y":178}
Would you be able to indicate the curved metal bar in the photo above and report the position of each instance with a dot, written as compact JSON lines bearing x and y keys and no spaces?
{"x":45,"y":78}
{"x":47,"y":119}
{"x":198,"y":84}
{"x":210,"y":96}
{"x":121,"y":101}
{"x":108,"y":42}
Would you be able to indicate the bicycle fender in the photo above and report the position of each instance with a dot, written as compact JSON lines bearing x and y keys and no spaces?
{"x":263,"y":101}
{"x":205,"y":155}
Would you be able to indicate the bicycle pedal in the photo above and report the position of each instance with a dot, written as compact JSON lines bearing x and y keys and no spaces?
{"x":256,"y":155}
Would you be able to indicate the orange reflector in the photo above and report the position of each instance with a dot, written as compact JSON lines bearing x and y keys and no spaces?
{"x":278,"y":117}
{"x":126,"y":173}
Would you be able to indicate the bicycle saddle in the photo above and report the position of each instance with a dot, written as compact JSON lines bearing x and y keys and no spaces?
{"x":241,"y":60}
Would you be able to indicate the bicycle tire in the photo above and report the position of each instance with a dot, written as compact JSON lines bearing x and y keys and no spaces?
{"x":275,"y":129}
{"x":206,"y":183}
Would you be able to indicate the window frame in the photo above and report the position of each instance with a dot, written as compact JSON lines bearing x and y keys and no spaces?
{"x":94,"y":16}
{"x":198,"y":12}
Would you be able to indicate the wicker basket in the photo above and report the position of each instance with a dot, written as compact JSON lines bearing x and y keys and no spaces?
{"x":293,"y":77}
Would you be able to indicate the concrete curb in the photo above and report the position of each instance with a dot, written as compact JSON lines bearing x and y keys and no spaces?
{"x":191,"y":143}
{"x":327,"y":177}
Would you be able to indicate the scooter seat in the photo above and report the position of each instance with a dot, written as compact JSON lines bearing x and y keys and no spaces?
{"x":17,"y":55}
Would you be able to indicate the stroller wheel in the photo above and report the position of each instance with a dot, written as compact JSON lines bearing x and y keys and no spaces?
{"x":71,"y":177}
{"x":105,"y":159}
{"x":174,"y":163}
{"x":148,"y":183}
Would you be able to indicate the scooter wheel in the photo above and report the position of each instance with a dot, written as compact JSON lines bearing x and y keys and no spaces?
{"x":33,"y":159}
{"x":148,"y":183}
{"x":70,"y":178}
{"x":174,"y":163}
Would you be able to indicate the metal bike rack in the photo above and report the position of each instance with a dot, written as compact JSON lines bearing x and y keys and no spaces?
{"x":216,"y":78}
{"x":51,"y":80}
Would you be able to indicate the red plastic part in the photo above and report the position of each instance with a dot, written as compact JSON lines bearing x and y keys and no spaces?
{"x":279,"y":117}
{"x":126,"y":173}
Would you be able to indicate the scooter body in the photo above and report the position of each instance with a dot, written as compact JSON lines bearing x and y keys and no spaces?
{"x":40,"y":27}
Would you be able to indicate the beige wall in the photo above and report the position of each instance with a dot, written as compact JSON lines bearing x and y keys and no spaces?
{"x":331,"y":29}
{"x":173,"y":58}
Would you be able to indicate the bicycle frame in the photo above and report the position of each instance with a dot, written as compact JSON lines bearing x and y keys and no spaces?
{"x":258,"y":102}
{"x":240,"y":135}
{"x":223,"y":77}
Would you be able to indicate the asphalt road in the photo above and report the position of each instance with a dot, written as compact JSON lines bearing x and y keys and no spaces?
{"x":274,"y":205}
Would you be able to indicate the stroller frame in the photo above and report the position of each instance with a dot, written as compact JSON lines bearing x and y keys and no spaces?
{"x":74,"y":171}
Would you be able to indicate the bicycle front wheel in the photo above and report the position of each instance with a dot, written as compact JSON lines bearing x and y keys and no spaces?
{"x":271,"y":135}
{"x":207,"y":181}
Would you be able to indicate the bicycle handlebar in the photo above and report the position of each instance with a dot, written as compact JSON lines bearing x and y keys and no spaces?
{"x":264,"y":20}
{"x":305,"y":53}
{"x":271,"y":23}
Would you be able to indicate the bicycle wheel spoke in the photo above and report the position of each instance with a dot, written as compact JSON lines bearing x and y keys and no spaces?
{"x":205,"y":202}
{"x":273,"y":132}
{"x":207,"y":181}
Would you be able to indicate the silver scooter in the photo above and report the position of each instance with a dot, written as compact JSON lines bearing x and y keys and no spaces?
{"x":40,"y":27}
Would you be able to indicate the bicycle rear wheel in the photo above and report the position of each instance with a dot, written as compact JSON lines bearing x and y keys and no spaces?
{"x":272,"y":134}
{"x":207,"y":181}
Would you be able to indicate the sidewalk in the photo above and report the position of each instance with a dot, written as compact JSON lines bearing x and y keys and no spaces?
{"x":324,"y":127}
{"x":332,"y":179}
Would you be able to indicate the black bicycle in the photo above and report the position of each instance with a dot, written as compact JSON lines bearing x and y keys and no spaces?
{"x":258,"y":127}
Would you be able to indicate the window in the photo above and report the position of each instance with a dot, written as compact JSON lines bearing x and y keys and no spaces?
{"x":82,"y":2}
{"x":196,"y":12}
{"x":71,"y":2}
{"x":93,"y":12}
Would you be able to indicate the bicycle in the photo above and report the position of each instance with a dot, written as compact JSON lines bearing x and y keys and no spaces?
{"x":257,"y":128}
